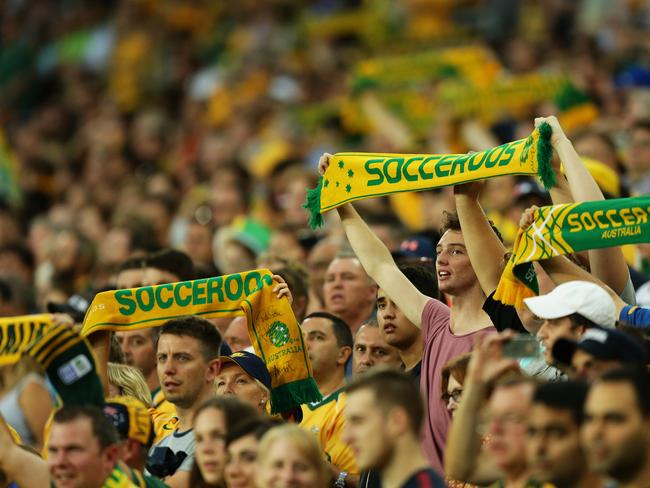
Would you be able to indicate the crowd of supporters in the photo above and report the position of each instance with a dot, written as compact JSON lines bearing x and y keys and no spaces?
{"x":147,"y":142}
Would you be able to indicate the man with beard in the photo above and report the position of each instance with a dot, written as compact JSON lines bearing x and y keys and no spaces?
{"x":616,"y":430}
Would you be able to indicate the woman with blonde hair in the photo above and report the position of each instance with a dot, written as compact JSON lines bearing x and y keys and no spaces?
{"x":291,"y":456}
{"x":126,"y":380}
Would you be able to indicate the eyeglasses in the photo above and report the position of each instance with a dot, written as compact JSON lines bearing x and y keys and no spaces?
{"x":454,"y":395}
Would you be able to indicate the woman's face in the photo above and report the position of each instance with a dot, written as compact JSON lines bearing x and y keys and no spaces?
{"x":210,"y":435}
{"x":241,"y":457}
{"x":454,"y":390}
{"x":286,"y":467}
{"x":233,"y":380}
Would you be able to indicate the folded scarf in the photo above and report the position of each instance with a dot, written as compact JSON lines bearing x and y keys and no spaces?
{"x":569,"y":228}
{"x":272,"y":327}
{"x":17,"y":334}
{"x":355,"y":176}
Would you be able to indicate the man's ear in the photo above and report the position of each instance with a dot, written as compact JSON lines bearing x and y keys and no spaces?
{"x":214,"y":367}
{"x":344,"y":354}
{"x":397,"y":421}
{"x":112,"y":454}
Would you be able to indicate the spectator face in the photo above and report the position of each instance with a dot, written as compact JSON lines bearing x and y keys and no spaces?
{"x":75,"y":458}
{"x":210,"y":434}
{"x":452,"y":396}
{"x":233,"y":380}
{"x":614,"y":433}
{"x":322,"y":347}
{"x":347,"y":286}
{"x":509,"y":409}
{"x":155,"y":276}
{"x":237,"y":334}
{"x":396,"y":329}
{"x":455,"y":273}
{"x":139,"y":349}
{"x":370,"y":350}
{"x":183,"y":372}
{"x":554,"y":451}
{"x":287,"y":466}
{"x":240,"y":462}
{"x":589,"y":368}
{"x":366,"y":431}
{"x":638,"y":159}
{"x":130,"y":278}
{"x":318,"y":261}
{"x":198,"y":243}
{"x":551,"y":330}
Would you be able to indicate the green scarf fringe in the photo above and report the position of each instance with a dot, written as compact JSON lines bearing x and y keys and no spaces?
{"x":286,"y":397}
{"x":313,"y":205}
{"x":544,"y":155}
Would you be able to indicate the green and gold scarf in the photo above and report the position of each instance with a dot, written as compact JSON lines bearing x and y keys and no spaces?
{"x":569,"y":228}
{"x":355,"y":176}
{"x":273,"y":329}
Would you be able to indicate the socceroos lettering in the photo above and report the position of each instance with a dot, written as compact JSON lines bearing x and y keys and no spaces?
{"x":198,"y":292}
{"x":615,"y":222}
{"x":394,"y":170}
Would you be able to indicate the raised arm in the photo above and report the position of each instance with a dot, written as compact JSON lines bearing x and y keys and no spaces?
{"x":465,"y":459}
{"x":486,"y":251}
{"x":378,"y":262}
{"x":606,"y":264}
{"x":21,"y":466}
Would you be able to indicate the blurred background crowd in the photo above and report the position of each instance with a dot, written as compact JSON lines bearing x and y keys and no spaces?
{"x":127,"y":126}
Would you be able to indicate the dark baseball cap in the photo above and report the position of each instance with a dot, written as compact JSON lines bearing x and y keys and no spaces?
{"x":417,"y":247}
{"x":75,"y":307}
{"x":251,"y":364}
{"x":602,"y":343}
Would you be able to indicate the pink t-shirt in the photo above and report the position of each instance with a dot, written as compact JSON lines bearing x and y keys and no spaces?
{"x":440,"y":346}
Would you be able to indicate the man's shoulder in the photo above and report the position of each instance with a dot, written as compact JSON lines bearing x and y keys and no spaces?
{"x":435,"y":315}
{"x":425,"y":478}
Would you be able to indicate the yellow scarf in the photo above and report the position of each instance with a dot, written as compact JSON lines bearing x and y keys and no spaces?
{"x":273,"y":329}
{"x":355,"y":176}
{"x":568,"y":228}
{"x":18,"y":333}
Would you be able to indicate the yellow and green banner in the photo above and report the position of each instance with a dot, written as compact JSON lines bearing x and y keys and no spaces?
{"x":273,"y":329}
{"x":564,"y":229}
{"x":356,"y":176}
{"x":17,"y":334}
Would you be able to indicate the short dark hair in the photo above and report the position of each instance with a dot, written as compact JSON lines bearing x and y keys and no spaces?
{"x":297,"y":280}
{"x":173,"y":261}
{"x":638,"y":379}
{"x":341,"y":329}
{"x":452,"y":222}
{"x":578,"y":320}
{"x":423,"y":277}
{"x":563,"y":395}
{"x":200,"y":329}
{"x":103,"y":429}
{"x":234,"y":410}
{"x":133,"y":263}
{"x":256,"y":426}
{"x":643,"y":124}
{"x":392,"y":389}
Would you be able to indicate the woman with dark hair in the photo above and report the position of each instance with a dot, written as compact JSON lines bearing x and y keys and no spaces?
{"x":242,"y":443}
{"x":211,"y":423}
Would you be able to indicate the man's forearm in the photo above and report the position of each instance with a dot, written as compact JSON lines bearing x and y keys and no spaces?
{"x":372,"y":253}
{"x":485,"y":250}
{"x":24,"y":468}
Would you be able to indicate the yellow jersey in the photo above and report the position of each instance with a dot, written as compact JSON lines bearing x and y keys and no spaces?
{"x":325,"y":419}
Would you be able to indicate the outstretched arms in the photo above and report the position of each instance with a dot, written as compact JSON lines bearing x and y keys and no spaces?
{"x":378,"y":262}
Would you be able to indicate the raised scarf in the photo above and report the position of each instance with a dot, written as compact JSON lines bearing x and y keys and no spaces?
{"x":569,"y":228}
{"x":355,"y":176}
{"x":272,"y":327}
{"x":17,"y":334}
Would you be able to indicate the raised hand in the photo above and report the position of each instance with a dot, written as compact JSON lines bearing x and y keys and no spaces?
{"x":323,"y":163}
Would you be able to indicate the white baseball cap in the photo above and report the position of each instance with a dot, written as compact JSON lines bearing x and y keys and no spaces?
{"x":581,"y":297}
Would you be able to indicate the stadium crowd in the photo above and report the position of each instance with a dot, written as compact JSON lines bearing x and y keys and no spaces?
{"x":145,"y":143}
